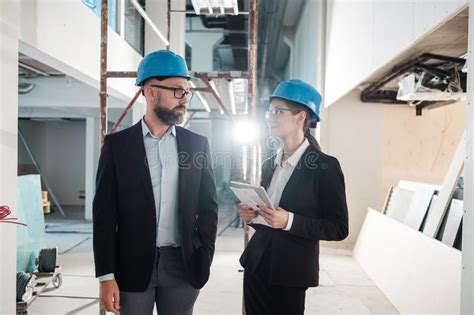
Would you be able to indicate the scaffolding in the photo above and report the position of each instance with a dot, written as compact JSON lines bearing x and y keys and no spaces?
{"x":205,"y":77}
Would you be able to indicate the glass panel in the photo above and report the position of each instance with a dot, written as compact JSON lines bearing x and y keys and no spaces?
{"x":134,"y":26}
{"x":95,"y":6}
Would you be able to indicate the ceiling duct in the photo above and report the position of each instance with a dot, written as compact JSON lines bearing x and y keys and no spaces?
{"x":422,"y":81}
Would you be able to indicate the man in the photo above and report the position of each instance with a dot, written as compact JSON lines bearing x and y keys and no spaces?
{"x":155,"y":209}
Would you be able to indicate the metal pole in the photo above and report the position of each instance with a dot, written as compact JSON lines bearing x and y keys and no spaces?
{"x":189,"y":119}
{"x":467,"y":283}
{"x":103,"y":71}
{"x":217,"y":97}
{"x":252,"y":97}
{"x":252,"y":69}
{"x":126,"y":110}
{"x":43,"y":177}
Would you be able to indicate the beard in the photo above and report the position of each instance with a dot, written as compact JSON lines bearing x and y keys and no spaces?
{"x":169,"y":116}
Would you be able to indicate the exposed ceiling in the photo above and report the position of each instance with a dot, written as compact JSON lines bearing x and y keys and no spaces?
{"x":449,"y":39}
{"x":31,"y":67}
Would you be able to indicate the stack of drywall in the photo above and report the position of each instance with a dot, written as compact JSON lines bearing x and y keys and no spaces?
{"x":414,"y":204}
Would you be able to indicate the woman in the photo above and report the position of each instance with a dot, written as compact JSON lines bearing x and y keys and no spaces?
{"x":307,"y":189}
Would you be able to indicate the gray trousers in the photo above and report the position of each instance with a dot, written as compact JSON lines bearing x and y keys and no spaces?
{"x":168,"y":288}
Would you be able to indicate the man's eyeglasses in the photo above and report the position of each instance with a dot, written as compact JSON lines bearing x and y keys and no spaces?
{"x":275,"y":112}
{"x":179,"y":93}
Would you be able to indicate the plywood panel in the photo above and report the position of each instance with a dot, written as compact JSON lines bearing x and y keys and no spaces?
{"x":420,"y":148}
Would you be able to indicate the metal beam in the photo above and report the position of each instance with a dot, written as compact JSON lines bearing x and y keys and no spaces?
{"x":103,"y":71}
{"x":44,"y":178}
{"x":252,"y":101}
{"x":121,"y":74}
{"x":126,"y":110}
{"x":216,"y":95}
{"x":148,"y":20}
{"x":189,"y":119}
{"x":220,"y":75}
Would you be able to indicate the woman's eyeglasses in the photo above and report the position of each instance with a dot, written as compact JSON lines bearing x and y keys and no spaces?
{"x":179,"y":93}
{"x":275,"y":112}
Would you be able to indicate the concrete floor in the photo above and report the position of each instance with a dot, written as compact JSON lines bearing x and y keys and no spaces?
{"x":344,"y":287}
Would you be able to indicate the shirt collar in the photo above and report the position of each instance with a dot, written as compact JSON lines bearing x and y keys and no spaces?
{"x":145,"y":130}
{"x":295,"y":157}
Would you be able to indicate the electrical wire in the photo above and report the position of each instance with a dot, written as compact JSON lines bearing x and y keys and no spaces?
{"x":4,"y":213}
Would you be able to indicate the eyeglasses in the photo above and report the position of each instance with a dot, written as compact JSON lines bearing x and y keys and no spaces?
{"x":275,"y":112}
{"x":179,"y":93}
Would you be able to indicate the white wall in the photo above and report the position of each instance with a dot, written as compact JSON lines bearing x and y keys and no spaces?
{"x":362,"y":35}
{"x":9,"y":25}
{"x":66,"y":35}
{"x":59,"y":148}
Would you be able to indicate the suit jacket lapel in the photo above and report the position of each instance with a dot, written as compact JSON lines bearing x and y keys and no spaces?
{"x":295,"y":178}
{"x":184,"y":164}
{"x":267,"y":172}
{"x":139,"y":158}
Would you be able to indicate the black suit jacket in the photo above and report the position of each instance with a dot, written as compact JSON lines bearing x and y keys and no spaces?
{"x":315,"y":193}
{"x":125,"y":216}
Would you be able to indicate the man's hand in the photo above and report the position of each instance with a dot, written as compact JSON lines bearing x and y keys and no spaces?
{"x":110,"y":296}
{"x":246,"y":213}
{"x":277,"y":219}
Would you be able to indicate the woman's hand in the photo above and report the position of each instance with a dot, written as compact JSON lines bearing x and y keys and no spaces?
{"x":277,"y":219}
{"x":246,"y":213}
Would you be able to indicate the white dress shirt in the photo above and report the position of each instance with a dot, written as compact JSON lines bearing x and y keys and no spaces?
{"x":282,"y":174}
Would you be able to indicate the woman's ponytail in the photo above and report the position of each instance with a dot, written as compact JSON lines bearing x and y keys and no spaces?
{"x":311,"y":139}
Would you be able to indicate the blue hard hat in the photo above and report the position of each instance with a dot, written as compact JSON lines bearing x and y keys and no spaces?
{"x":162,"y":63}
{"x":299,"y":92}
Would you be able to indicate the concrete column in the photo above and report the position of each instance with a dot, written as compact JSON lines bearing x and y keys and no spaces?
{"x":9,"y":30}
{"x":467,"y":285}
{"x":157,"y":10}
{"x":178,"y":26}
{"x":92,"y":159}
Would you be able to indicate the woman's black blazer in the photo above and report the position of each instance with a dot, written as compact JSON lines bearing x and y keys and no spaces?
{"x":315,"y":193}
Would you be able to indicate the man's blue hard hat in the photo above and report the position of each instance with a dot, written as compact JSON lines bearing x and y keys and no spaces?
{"x":162,"y":63}
{"x":301,"y":93}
